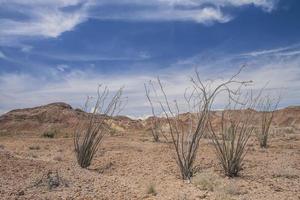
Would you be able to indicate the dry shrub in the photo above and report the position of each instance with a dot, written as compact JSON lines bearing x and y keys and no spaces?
{"x":233,"y":189}
{"x":156,"y":123}
{"x":51,"y":180}
{"x":49,"y":133}
{"x":227,"y":191}
{"x":183,"y":196}
{"x":151,"y":190}
{"x":87,"y":137}
{"x":185,"y":137}
{"x":34,"y":147}
{"x":286,"y":172}
{"x":267,"y":107}
{"x":236,"y":128}
{"x":206,"y":181}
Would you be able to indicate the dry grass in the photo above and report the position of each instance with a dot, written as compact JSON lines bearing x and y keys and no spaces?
{"x":286,"y":172}
{"x":49,"y":134}
{"x":151,"y":190}
{"x":206,"y":181}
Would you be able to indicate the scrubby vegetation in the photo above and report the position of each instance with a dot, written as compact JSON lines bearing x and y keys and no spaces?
{"x":151,"y":190}
{"x":156,"y":124}
{"x":88,"y":136}
{"x":205,"y":181}
{"x":34,"y":147}
{"x":267,"y":106}
{"x":49,"y":133}
{"x":199,"y":101}
{"x":236,"y":129}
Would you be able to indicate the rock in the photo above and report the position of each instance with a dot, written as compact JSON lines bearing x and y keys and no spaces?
{"x":21,"y":193}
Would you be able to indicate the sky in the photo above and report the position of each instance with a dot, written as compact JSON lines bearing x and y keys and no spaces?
{"x":60,"y":50}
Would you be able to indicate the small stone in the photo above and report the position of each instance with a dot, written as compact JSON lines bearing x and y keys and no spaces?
{"x":203,"y":196}
{"x":21,"y":193}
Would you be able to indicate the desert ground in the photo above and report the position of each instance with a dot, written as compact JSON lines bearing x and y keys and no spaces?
{"x":129,"y":165}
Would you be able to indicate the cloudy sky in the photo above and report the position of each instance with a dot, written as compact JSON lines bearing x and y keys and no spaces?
{"x":60,"y":50}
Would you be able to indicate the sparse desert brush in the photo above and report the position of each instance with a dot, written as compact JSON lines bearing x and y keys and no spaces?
{"x":267,"y":106}
{"x":51,"y":180}
{"x":291,"y":137}
{"x":221,"y":195}
{"x":286,"y":172}
{"x":232,"y":188}
{"x":151,"y":190}
{"x":235,"y":131}
{"x":49,"y":133}
{"x":88,"y":136}
{"x":227,"y":191}
{"x":156,"y":124}
{"x":198,"y":101}
{"x":183,"y":197}
{"x":206,"y":181}
{"x":33,"y":156}
{"x":34,"y":147}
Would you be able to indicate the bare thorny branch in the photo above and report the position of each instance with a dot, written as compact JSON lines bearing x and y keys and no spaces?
{"x":88,"y":136}
{"x":236,"y":128}
{"x":156,"y":129}
{"x":267,"y":106}
{"x":185,"y":139}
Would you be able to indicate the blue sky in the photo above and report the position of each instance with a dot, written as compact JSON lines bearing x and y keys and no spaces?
{"x":59,"y":50}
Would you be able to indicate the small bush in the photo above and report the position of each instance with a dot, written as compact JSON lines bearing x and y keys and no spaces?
{"x":233,"y":189}
{"x":267,"y":106}
{"x":227,"y":191}
{"x":34,"y":147}
{"x":223,"y":196}
{"x":57,"y":158}
{"x":51,"y":180}
{"x":33,"y":156}
{"x":49,"y":134}
{"x":183,"y":197}
{"x":205,"y":181}
{"x":151,"y":190}
{"x":232,"y":147}
{"x":286,"y":172}
{"x":88,"y":136}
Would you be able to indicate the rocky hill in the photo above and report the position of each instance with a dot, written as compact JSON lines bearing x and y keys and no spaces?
{"x":62,"y":118}
{"x":58,"y":117}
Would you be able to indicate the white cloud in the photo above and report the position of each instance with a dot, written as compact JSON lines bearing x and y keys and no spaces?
{"x":26,"y":48}
{"x":51,"y":18}
{"x":41,"y":18}
{"x":2,"y":56}
{"x":268,"y":5}
{"x":24,"y":90}
{"x":132,"y":56}
{"x":201,"y":11}
{"x":205,"y":15}
{"x":62,"y":67}
{"x":282,"y":51}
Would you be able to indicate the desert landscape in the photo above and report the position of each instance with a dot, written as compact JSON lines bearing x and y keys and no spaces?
{"x":130,"y":165}
{"x":149,"y":100}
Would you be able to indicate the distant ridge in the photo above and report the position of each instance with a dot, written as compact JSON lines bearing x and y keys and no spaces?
{"x":61,"y":116}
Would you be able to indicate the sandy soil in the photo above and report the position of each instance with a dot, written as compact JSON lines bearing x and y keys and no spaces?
{"x":127,"y":167}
